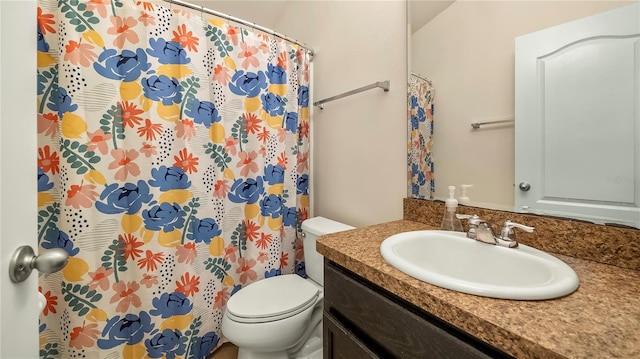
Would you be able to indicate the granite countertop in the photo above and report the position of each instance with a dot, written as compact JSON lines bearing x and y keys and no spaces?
{"x":599,"y":320}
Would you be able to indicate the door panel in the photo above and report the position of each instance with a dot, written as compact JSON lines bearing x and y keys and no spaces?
{"x":18,"y":302}
{"x":602,"y":109}
{"x":578,"y":118}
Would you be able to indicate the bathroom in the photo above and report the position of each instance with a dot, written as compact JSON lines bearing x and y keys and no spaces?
{"x":367,"y":186}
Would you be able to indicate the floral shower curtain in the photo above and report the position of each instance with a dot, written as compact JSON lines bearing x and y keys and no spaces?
{"x":172,"y":167}
{"x":420,"y":176}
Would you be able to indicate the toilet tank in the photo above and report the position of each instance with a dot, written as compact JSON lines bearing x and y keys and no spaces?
{"x":312,"y":228}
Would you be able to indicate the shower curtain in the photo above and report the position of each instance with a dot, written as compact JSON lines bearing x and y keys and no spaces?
{"x":420,"y":176}
{"x":172,"y":167}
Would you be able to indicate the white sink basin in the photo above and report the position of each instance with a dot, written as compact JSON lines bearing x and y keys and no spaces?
{"x":453,"y":261}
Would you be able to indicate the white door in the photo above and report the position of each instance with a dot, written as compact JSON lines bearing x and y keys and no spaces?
{"x":18,"y":225}
{"x":578,"y":118}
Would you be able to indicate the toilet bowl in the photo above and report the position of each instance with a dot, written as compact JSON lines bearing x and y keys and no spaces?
{"x":281,"y":317}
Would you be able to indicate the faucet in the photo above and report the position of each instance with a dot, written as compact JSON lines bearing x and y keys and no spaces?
{"x":482,"y":231}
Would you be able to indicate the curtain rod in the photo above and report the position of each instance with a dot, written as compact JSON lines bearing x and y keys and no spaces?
{"x":240,"y":21}
{"x":422,"y":77}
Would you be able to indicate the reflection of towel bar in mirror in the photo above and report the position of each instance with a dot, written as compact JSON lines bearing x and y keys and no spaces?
{"x":476,"y":125}
{"x":382,"y":84}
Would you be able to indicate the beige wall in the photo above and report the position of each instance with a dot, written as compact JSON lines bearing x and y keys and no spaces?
{"x":359,"y":142}
{"x":468,"y":52}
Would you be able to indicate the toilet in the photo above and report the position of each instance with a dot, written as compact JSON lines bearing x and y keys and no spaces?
{"x":281,"y":317}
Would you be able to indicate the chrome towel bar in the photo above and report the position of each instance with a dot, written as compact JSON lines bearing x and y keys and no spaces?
{"x":382,"y":84}
{"x":476,"y":125}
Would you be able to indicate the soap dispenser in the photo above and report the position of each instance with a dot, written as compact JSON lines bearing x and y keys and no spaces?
{"x":449,"y":221}
{"x":464,"y":199}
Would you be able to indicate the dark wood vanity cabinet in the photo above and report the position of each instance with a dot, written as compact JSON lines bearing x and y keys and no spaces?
{"x":362,"y":320}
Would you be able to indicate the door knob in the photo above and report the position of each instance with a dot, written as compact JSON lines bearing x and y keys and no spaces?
{"x":24,"y":260}
{"x":524,"y":186}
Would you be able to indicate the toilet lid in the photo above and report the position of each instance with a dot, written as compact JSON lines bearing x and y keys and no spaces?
{"x":272,"y":298}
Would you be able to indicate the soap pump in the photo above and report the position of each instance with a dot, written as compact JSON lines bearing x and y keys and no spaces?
{"x":449,"y":221}
{"x":464,"y":199}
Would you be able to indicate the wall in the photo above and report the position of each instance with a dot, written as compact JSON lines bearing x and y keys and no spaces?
{"x":359,"y":142}
{"x":468,"y":53}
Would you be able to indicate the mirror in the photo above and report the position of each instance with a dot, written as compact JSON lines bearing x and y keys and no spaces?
{"x":466,"y":49}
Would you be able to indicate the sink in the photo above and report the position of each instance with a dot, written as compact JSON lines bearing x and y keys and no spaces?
{"x":453,"y":261}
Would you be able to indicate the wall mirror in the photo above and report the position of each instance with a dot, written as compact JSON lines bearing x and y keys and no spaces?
{"x":467,"y":50}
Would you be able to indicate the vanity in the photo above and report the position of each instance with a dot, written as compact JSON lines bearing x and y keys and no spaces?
{"x":373,"y":310}
{"x":363,"y":320}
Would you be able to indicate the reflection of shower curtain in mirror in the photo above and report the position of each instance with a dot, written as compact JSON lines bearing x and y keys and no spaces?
{"x":420,"y":177}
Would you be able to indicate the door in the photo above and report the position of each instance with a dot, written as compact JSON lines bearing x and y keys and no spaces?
{"x":578,"y":119}
{"x":18,"y":225}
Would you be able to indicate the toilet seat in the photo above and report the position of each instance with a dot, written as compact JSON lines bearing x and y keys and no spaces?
{"x":272,"y":299}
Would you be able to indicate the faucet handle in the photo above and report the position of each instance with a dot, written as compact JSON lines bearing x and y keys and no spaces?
{"x":474,"y":221}
{"x":508,"y":227}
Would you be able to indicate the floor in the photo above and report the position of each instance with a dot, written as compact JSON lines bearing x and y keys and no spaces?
{"x":226,"y":351}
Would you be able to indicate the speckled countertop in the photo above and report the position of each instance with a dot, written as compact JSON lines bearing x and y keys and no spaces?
{"x":600,"y":320}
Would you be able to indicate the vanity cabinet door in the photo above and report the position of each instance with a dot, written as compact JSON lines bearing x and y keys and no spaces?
{"x":341,"y":343}
{"x":392,"y":327}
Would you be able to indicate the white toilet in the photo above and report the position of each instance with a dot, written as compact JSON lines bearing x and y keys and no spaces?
{"x":281,"y":317}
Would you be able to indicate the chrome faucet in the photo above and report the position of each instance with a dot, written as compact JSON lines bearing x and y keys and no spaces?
{"x":482,"y":231}
{"x":474,"y":222}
